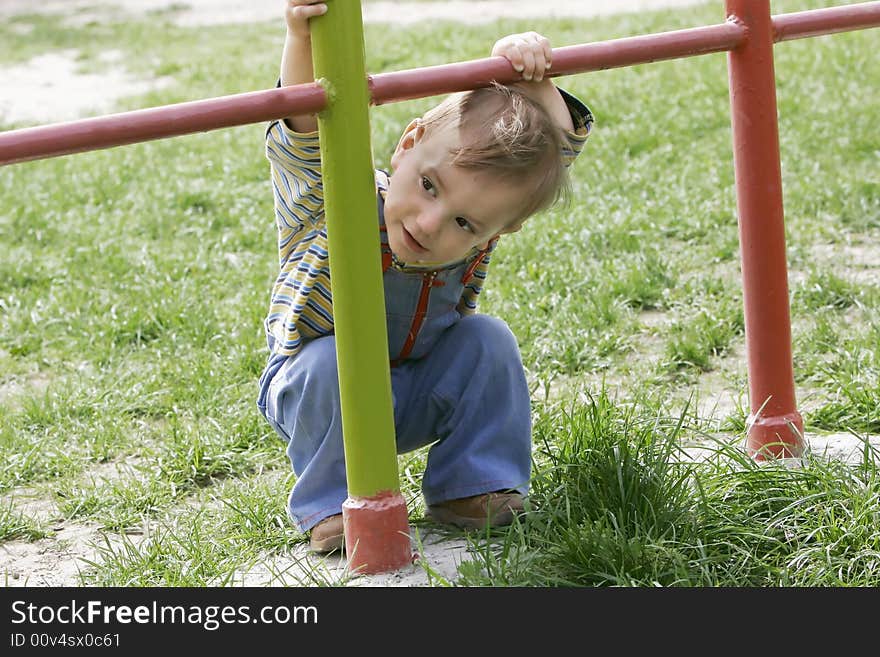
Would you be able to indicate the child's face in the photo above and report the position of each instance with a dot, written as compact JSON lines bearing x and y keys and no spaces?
{"x":436,"y":212}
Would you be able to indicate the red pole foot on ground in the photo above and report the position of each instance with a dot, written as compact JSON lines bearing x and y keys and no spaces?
{"x":376,"y":533}
{"x":775,"y":437}
{"x":775,"y":428}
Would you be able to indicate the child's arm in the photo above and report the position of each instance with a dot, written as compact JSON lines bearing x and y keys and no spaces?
{"x":531,"y":55}
{"x":296,"y":59}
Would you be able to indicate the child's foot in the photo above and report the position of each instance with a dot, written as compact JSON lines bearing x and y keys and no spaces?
{"x":478,"y":512}
{"x":326,"y":536}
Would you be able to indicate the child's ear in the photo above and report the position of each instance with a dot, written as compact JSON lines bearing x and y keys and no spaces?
{"x":510,"y":229}
{"x":411,"y":136}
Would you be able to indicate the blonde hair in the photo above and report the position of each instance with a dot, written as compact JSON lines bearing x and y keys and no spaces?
{"x":512,"y":137}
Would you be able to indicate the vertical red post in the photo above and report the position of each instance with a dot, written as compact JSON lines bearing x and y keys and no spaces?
{"x":775,"y":428}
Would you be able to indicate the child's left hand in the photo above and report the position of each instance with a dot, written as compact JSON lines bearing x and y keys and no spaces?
{"x":529,"y":52}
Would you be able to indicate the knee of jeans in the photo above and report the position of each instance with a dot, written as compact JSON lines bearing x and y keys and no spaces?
{"x":318,"y":357}
{"x":490,"y":334}
{"x":308,"y":383}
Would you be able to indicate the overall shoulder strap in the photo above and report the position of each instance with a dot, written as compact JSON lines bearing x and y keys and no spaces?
{"x":381,"y":189}
{"x":477,"y":261}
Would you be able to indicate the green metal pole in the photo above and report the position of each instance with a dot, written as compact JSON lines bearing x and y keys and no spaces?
{"x":355,"y":251}
{"x":374,"y":515}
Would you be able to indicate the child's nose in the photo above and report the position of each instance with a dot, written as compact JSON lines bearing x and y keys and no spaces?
{"x":430,"y":220}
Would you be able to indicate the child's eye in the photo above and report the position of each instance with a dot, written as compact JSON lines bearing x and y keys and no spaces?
{"x":427,"y":185}
{"x":464,"y":223}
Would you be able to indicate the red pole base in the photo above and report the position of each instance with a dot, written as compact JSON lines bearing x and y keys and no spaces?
{"x":376,"y":533}
{"x":775,"y":437}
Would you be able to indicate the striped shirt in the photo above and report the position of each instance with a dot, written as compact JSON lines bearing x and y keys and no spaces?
{"x":301,"y":306}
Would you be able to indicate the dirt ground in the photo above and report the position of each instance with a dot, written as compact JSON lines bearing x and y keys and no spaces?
{"x":208,"y":12}
{"x":32,"y":90}
{"x":29,"y":96}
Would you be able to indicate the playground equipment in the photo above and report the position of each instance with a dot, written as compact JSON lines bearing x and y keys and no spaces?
{"x":376,"y":526}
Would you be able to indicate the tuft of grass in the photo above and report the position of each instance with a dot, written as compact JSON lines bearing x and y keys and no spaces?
{"x":16,"y":525}
{"x":696,"y":340}
{"x":616,"y":506}
{"x":824,"y":289}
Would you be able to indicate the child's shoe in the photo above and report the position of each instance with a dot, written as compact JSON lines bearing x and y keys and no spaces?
{"x":478,"y":512}
{"x":326,"y":536}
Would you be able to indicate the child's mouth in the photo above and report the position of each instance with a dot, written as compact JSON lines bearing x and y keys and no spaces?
{"x":412,"y":243}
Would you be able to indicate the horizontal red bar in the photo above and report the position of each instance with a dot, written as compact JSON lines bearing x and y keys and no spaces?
{"x":158,"y":122}
{"x":831,"y":20}
{"x":447,"y":78}
{"x":226,"y":111}
{"x":270,"y":104}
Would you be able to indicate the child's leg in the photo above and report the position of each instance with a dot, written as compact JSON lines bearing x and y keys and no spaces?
{"x":471,"y":393}
{"x":303,"y":406}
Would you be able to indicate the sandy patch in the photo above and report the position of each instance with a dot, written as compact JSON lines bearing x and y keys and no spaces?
{"x":435,"y":561}
{"x":859,"y":263}
{"x":54,"y":561}
{"x":49,"y":88}
{"x":13,"y":389}
{"x":73,"y":549}
{"x":207,"y":12}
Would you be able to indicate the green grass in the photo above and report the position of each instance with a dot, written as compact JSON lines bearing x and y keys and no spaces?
{"x":134,"y":281}
{"x":614,"y":503}
{"x":16,"y":525}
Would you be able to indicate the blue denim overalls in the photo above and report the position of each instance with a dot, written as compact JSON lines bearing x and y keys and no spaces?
{"x":455,"y":380}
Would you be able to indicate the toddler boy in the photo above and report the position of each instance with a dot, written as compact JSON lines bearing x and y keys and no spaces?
{"x":471,"y":169}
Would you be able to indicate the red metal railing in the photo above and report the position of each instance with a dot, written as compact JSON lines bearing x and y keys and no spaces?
{"x":748,"y":35}
{"x":270,"y":104}
{"x":816,"y":22}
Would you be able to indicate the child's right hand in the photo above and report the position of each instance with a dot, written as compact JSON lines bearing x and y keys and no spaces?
{"x":298,"y":13}
{"x":529,"y":53}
